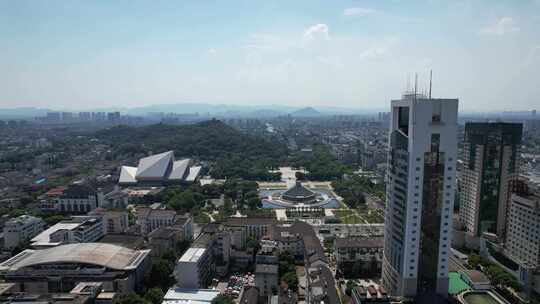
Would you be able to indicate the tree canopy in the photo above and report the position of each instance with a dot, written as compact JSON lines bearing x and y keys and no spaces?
{"x":232,"y":153}
{"x":222,"y":299}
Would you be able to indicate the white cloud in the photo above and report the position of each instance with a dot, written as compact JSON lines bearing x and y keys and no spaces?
{"x":358,"y":11}
{"x":317,"y":32}
{"x":212,"y":52}
{"x":379,"y":49}
{"x":503,"y":26}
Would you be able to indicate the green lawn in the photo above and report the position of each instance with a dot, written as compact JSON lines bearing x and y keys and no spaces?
{"x":348,"y":216}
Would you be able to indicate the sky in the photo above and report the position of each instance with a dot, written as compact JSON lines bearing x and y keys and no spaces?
{"x":354,"y":54}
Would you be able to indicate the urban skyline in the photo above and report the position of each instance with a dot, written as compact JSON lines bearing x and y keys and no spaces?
{"x":240,"y":152}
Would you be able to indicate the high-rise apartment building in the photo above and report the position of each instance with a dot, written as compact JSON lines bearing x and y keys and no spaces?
{"x":420,"y":195}
{"x":490,"y":158}
{"x":523,"y":235}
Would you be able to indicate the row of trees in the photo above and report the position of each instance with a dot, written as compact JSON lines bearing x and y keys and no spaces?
{"x":194,"y":198}
{"x":353,"y":188}
{"x":152,"y":296}
{"x":287,"y":270}
{"x":321,"y":164}
{"x":497,"y":275}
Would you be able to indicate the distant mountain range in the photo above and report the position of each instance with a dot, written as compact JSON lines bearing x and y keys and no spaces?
{"x":306,"y":112}
{"x":211,"y":109}
{"x":203,"y":109}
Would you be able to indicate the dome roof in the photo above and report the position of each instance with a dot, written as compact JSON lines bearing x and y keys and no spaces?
{"x":299,"y":193}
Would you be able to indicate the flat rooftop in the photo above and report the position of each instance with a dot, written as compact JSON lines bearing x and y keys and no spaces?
{"x":105,"y":255}
{"x":192,"y":255}
{"x":191,"y":296}
{"x":124,"y":240}
{"x":44,"y":238}
{"x":266,"y":268}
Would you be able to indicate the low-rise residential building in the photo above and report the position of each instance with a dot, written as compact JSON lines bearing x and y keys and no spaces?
{"x":82,"y":293}
{"x":266,"y":279}
{"x":320,"y":285}
{"x":143,"y":195}
{"x":195,"y":268}
{"x":300,"y":239}
{"x":268,"y":253}
{"x":166,"y":238}
{"x":117,"y":198}
{"x":49,"y":200}
{"x":61,"y":268}
{"x":364,"y":252}
{"x":256,"y":227}
{"x":79,"y":199}
{"x":370,"y":294}
{"x":79,"y":229}
{"x":113,"y":221}
{"x":476,"y":279}
{"x":211,"y":253}
{"x":162,"y":240}
{"x":150,"y":219}
{"x":21,"y":229}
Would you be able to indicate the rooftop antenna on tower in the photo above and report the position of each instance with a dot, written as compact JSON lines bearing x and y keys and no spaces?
{"x":430,"y":81}
{"x":415,"y":84}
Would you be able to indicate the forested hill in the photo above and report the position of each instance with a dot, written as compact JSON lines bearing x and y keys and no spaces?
{"x":233,"y":153}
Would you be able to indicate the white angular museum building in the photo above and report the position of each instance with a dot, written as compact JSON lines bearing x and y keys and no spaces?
{"x":159,"y":169}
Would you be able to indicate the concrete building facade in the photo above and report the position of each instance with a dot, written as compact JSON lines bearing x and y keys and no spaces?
{"x":420,"y":195}
{"x":523,"y":226}
{"x":79,"y":199}
{"x":79,"y":229}
{"x":367,"y":252}
{"x":150,"y":219}
{"x":266,"y":279}
{"x":21,"y":229}
{"x":61,"y":268}
{"x":490,"y":158}
{"x":195,"y":268}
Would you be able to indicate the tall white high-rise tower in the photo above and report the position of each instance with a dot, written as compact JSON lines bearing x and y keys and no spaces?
{"x":420,"y":195}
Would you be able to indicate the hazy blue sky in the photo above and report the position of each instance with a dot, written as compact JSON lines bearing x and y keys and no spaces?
{"x":83,"y":54}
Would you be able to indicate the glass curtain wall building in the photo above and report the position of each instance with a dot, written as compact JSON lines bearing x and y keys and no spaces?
{"x":420,"y":195}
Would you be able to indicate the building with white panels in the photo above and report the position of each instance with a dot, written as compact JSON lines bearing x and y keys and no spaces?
{"x":19,"y":230}
{"x":159,"y":168}
{"x":420,"y":195}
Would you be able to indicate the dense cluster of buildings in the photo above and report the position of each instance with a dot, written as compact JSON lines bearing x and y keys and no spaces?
{"x":101,"y":247}
{"x":112,"y":230}
{"x":71,"y":117}
{"x":221,"y":248}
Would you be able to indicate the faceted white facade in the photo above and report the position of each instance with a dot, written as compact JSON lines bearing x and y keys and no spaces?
{"x":420,"y":195}
{"x":159,"y":168}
